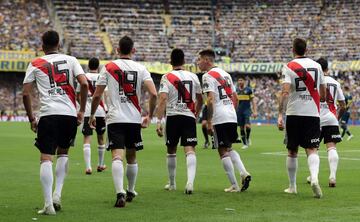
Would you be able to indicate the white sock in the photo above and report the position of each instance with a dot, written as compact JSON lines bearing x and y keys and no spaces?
{"x":229,"y":169}
{"x":333,"y":158}
{"x":62,"y":164}
{"x":131,"y":174}
{"x":118,"y":175}
{"x":101,"y":152}
{"x":191,"y":167}
{"x":314,"y":164}
{"x":46,"y":178}
{"x":87,"y":156}
{"x":292,"y":165}
{"x":171,"y":164}
{"x":236,"y":160}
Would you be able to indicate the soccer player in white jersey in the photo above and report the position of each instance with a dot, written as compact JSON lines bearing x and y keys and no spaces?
{"x":124,"y":79}
{"x":87,"y":131}
{"x":180,"y":95}
{"x":54,"y":75}
{"x":329,"y":119}
{"x":303,"y":83}
{"x":222,"y":120}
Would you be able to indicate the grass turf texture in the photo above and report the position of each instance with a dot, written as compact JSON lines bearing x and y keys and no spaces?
{"x":91,"y":198}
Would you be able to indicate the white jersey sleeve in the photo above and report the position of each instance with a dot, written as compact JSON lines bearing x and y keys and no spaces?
{"x":328,"y":109}
{"x":305,"y":76}
{"x":224,"y":111}
{"x":54,"y":75}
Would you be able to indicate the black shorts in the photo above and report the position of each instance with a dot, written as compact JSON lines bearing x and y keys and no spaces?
{"x":225,"y":134}
{"x":204,"y":114}
{"x":180,"y":126}
{"x":243,"y":119}
{"x":100,"y":126}
{"x":303,"y":131}
{"x":124,"y":135}
{"x":330,"y":134}
{"x":55,"y":131}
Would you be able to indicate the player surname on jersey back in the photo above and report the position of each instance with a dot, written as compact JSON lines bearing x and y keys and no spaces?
{"x":56,"y":91}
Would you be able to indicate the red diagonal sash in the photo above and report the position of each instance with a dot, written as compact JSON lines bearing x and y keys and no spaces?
{"x":92,"y":91}
{"x":222,"y":82}
{"x":175,"y":81}
{"x":114,"y":71}
{"x":48,"y":69}
{"x":308,"y":81}
{"x":330,"y":102}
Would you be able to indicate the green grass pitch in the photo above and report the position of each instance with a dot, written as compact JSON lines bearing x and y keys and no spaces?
{"x":91,"y":198}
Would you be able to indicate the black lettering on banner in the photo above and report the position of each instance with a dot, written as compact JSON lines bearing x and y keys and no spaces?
{"x":302,"y":73}
{"x":182,"y":87}
{"x":128,"y":78}
{"x":57,"y":71}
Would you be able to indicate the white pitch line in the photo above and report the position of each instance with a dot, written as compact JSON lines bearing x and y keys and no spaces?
{"x":302,"y":155}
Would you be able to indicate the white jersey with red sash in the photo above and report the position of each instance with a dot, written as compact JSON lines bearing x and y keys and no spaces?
{"x":220,"y":83}
{"x":305,"y":77}
{"x":328,"y":116}
{"x":91,"y":79}
{"x":124,"y":79}
{"x":54,"y":75}
{"x":181,"y":87}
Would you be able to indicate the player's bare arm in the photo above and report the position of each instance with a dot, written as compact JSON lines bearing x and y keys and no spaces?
{"x":199,"y":103}
{"x":235,"y":100}
{"x":150,"y":87}
{"x":163,"y":97}
{"x":95,"y":103}
{"x":83,"y":96}
{"x":254,"y":108}
{"x":283,"y":97}
{"x":210,"y":107}
{"x":27,"y":89}
{"x":342,"y":108}
{"x":322,"y":92}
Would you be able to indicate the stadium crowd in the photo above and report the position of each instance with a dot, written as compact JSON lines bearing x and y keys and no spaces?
{"x":235,"y":27}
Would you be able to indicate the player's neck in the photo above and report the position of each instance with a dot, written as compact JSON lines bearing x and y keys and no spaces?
{"x":93,"y":71}
{"x":299,"y":56}
{"x":51,"y":52}
{"x":178,"y":67}
{"x":125,"y":57}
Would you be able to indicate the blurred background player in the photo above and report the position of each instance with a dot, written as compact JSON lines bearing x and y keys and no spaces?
{"x":203,"y":120}
{"x":346,"y":116}
{"x":125,"y":79}
{"x":180,"y":97}
{"x":245,"y":96}
{"x":54,"y":75}
{"x":303,"y":84}
{"x":221,"y":120}
{"x":329,"y":119}
{"x":100,"y":113}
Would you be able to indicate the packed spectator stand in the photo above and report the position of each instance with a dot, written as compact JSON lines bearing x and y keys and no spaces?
{"x":245,"y":31}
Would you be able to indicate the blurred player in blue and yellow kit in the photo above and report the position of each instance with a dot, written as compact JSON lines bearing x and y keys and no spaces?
{"x":346,"y":116}
{"x":245,"y":97}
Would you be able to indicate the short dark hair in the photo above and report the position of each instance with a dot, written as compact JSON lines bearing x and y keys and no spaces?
{"x":241,"y":77}
{"x":323,"y":63}
{"x":346,"y":87}
{"x":299,"y":46}
{"x":126,"y":44}
{"x":177,"y":57}
{"x":93,"y":63}
{"x":207,"y":52}
{"x":50,"y":39}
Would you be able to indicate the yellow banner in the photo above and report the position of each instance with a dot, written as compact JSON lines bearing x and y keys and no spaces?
{"x":17,"y":61}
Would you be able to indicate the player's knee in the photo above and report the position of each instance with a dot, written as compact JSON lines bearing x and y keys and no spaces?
{"x":292,"y":153}
{"x":62,"y":151}
{"x":45,"y":157}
